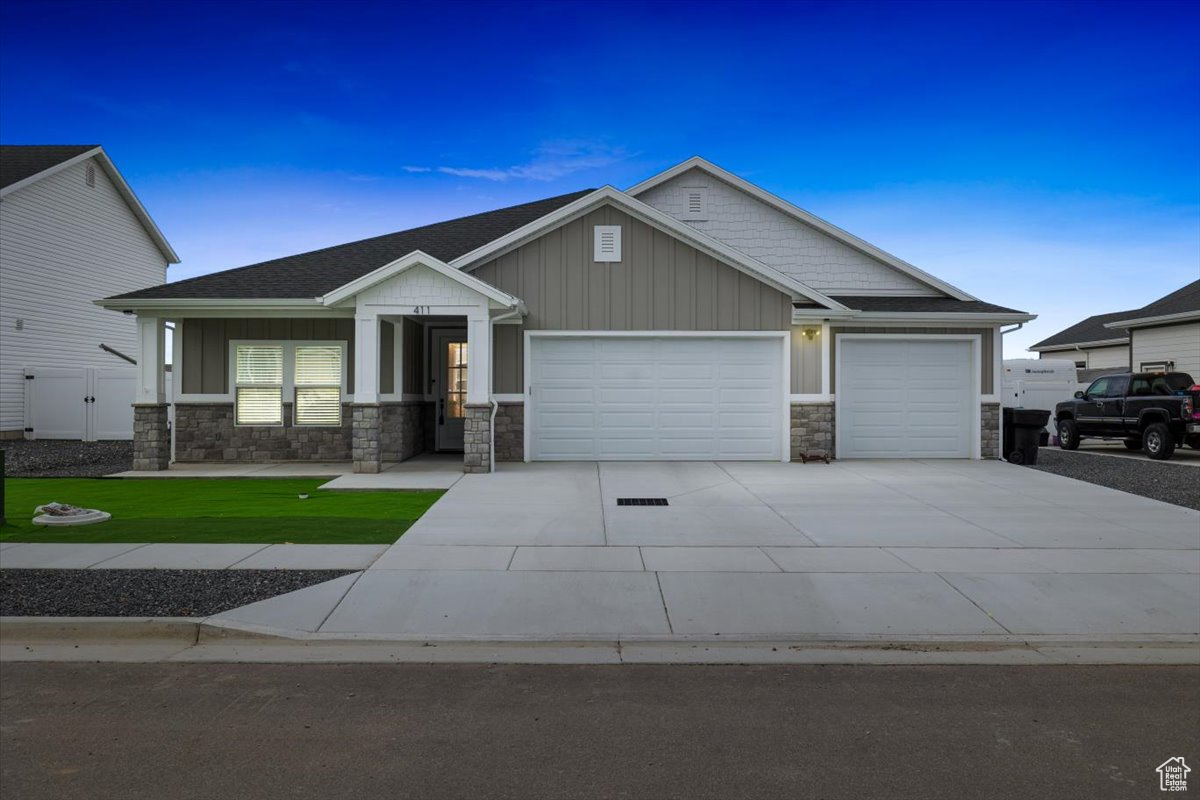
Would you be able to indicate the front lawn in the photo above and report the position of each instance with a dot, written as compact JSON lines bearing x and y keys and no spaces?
{"x":252,"y":510}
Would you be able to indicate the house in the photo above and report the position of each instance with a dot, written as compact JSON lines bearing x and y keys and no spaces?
{"x":71,"y":230}
{"x":693,"y":316}
{"x":1165,"y":334}
{"x":1089,"y":344}
{"x":1162,"y":335}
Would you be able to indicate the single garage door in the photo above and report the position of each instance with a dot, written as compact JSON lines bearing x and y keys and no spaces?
{"x":905,"y":398}
{"x":627,"y":398}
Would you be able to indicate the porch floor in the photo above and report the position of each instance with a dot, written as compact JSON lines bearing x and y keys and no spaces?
{"x":426,"y":471}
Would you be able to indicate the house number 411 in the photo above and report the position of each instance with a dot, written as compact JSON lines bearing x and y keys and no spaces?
{"x":421,"y":309}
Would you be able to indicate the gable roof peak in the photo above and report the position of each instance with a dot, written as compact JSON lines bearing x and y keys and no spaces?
{"x":795,"y":212}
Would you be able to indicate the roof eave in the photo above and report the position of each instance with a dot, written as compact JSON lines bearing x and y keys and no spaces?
{"x":1040,"y":348}
{"x":1141,"y":322}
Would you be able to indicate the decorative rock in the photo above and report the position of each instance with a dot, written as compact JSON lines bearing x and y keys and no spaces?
{"x":56,"y":515}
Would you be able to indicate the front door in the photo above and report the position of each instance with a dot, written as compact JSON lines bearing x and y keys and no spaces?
{"x":450,"y":386}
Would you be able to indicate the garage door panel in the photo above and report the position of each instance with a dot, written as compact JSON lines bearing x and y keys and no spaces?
{"x":902,"y":398}
{"x":658,"y":398}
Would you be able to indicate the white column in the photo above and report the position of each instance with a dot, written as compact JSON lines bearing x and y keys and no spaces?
{"x":398,"y":357}
{"x":479,"y":357}
{"x":150,"y":356}
{"x":366,"y":359}
{"x":826,"y":356}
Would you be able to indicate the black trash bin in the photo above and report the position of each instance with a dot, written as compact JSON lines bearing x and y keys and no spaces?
{"x":1022,"y":432}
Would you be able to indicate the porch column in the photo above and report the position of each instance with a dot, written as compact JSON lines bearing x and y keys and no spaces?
{"x":477,"y":425}
{"x":151,"y":433}
{"x":367,"y":414}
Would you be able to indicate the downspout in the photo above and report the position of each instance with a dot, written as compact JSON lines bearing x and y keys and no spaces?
{"x":492,"y":400}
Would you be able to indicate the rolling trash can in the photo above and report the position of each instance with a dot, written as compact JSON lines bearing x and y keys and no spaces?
{"x":1022,"y":432}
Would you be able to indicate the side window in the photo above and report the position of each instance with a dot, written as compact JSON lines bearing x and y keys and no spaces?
{"x":1140,"y":387}
{"x":1099,"y":387}
{"x":1117,"y":387}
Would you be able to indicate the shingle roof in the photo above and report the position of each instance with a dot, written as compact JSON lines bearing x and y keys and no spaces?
{"x":1090,"y":330}
{"x":911,"y":305}
{"x":319,"y":272}
{"x":1180,"y":301}
{"x":20,"y":161}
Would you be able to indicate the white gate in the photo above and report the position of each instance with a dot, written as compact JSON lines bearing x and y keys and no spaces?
{"x":86,"y":403}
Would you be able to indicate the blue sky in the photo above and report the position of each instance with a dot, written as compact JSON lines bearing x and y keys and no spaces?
{"x":1040,"y":155}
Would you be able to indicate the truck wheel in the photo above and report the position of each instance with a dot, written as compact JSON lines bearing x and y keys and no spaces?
{"x":1157,"y":441}
{"x":1068,"y":434}
{"x":1133,"y":444}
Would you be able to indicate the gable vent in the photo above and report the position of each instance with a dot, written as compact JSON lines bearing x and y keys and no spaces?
{"x":607,"y":243}
{"x":695,"y":202}
{"x":89,"y":175}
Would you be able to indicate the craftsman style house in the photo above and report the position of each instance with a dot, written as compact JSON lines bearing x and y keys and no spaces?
{"x":693,"y":316}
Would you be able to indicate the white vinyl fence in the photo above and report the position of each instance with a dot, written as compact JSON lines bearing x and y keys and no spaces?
{"x":86,"y":403}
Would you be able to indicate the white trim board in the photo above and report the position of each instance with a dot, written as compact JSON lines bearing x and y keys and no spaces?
{"x":976,"y":379}
{"x":784,"y":338}
{"x":418,"y":259}
{"x":799,"y":214}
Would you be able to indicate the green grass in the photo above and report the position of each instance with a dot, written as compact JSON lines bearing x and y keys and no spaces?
{"x":254,"y":510}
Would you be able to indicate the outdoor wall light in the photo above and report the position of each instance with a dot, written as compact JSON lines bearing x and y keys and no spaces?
{"x":811,"y":333}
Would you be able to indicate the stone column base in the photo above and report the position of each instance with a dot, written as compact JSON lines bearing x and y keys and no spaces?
{"x":365,"y":430}
{"x":812,"y":429}
{"x":989,"y":430}
{"x":151,"y":436}
{"x":477,"y":438}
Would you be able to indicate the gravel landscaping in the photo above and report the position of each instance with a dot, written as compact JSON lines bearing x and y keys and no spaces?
{"x":48,"y":458}
{"x":145,"y":592}
{"x":1170,"y":483}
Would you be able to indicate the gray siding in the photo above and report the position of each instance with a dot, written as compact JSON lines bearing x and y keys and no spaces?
{"x":414,"y":357}
{"x":387,"y":357}
{"x":661,"y":283}
{"x":806,"y":361}
{"x":205,"y":365}
{"x":987,"y":351}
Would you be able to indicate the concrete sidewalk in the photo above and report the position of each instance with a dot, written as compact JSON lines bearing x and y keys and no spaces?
{"x":54,"y":555}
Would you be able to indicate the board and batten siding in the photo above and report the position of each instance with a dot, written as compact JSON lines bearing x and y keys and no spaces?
{"x":1178,"y":343}
{"x":205,"y":367}
{"x":987,"y":349}
{"x":64,"y":244}
{"x":806,"y":361}
{"x":660,"y":284}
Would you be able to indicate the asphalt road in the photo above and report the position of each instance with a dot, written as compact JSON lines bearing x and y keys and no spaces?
{"x":456,"y":731}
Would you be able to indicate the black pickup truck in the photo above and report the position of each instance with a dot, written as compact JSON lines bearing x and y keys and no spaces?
{"x":1150,"y":411}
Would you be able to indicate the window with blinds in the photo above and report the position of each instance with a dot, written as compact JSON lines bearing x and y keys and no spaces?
{"x":258,"y":375}
{"x":318,"y":381}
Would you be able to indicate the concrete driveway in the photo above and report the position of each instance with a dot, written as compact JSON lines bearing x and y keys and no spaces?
{"x":862,"y":549}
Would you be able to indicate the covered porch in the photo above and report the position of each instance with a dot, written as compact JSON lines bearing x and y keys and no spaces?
{"x":390,"y":366}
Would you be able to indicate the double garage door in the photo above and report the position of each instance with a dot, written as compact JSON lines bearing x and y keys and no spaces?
{"x":631,"y":398}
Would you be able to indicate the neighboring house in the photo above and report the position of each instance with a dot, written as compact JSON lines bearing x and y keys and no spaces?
{"x":1163,"y":335}
{"x":1089,"y":344}
{"x":71,"y":230}
{"x":694,"y":316}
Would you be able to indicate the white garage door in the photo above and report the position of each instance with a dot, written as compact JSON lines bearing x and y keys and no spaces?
{"x":905,"y":398}
{"x":645,"y":398}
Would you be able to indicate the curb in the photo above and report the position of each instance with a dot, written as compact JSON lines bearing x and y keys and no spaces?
{"x":208,"y":639}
